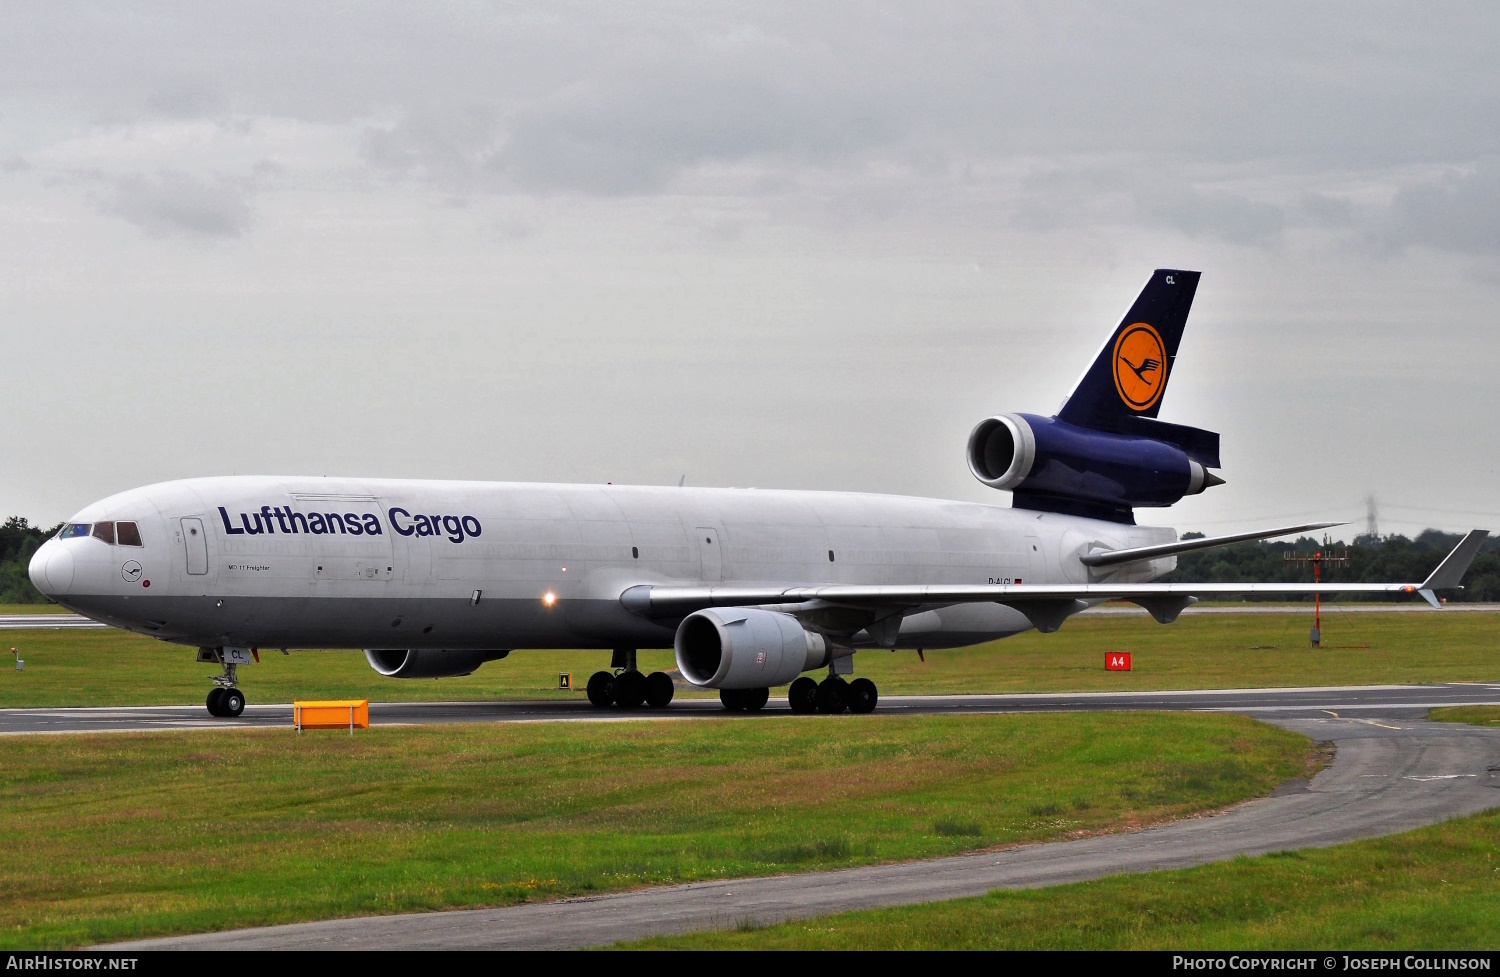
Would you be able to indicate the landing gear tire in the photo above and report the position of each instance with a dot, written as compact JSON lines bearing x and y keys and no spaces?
{"x":601,"y":689}
{"x":862,"y":696}
{"x":215,"y":697}
{"x":659,"y":690}
{"x":832,"y":698}
{"x":744,"y":700}
{"x":231,"y":703}
{"x":803,"y":695}
{"x":629,"y":690}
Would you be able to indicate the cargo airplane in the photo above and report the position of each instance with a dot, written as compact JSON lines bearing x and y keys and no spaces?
{"x":753,"y":589}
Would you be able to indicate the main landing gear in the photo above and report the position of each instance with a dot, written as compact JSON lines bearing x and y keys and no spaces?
{"x":744,"y":700}
{"x":627,"y":687}
{"x":832,"y":696}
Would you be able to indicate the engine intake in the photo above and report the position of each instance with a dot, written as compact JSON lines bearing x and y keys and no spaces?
{"x":429,"y":662}
{"x":1049,"y":463}
{"x":745,"y":649}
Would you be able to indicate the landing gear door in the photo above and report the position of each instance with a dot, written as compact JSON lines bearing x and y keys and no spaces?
{"x":195,"y":544}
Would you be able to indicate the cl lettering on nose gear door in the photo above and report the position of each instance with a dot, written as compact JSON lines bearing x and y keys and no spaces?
{"x":196,"y":544}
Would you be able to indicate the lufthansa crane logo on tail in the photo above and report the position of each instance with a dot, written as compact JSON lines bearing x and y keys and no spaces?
{"x":1140,"y":366}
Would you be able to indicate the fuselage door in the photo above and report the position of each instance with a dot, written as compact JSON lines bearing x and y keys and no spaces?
{"x":708,"y":550}
{"x":195,"y":541}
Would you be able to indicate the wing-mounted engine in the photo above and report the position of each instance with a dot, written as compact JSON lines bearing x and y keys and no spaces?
{"x":746,"y":648}
{"x":1054,"y":466}
{"x":429,"y":662}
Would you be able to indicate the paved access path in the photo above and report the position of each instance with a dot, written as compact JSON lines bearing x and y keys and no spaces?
{"x":1390,"y":773}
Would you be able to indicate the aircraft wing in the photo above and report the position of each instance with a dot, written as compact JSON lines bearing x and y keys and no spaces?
{"x":1047,"y":605}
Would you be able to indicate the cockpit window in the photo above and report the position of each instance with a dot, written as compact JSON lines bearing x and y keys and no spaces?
{"x":129,"y":534}
{"x":74,"y":529}
{"x":105,"y":531}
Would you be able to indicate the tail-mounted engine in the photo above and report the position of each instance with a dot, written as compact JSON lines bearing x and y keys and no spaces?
{"x":429,"y":662}
{"x":1055,"y":466}
{"x":740,"y":648}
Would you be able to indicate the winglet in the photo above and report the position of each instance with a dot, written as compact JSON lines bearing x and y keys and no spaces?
{"x":1451,"y":571}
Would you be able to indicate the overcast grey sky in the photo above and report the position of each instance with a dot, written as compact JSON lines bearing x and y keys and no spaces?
{"x":783,"y":245}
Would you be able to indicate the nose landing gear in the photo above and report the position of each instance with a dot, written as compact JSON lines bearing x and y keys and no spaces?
{"x":226,"y":701}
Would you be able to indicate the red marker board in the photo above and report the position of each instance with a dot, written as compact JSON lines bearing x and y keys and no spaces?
{"x":1117,"y":661}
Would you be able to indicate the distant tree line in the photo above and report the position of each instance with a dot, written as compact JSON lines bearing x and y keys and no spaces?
{"x":1372,"y":559}
{"x":18,"y":540}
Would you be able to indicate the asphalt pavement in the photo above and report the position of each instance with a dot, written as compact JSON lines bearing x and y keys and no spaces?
{"x":1399,"y":701}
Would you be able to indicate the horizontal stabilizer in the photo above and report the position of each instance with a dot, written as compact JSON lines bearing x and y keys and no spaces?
{"x":1200,"y":445}
{"x":1109,"y":558}
{"x":1451,"y":571}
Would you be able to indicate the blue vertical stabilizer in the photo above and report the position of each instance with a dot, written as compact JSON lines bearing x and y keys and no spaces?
{"x":1128,"y":377}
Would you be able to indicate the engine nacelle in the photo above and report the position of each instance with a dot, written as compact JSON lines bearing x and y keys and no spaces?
{"x":745,"y":648}
{"x":429,"y":662}
{"x":1042,"y":457}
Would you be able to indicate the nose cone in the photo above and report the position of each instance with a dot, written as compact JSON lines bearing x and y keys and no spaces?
{"x":51,"y":569}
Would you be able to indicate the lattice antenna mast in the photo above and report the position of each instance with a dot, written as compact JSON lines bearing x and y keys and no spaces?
{"x":1372,"y":517}
{"x":1317,"y":560}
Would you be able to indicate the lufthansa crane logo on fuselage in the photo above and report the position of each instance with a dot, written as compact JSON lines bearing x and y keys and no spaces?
{"x":1140,"y":366}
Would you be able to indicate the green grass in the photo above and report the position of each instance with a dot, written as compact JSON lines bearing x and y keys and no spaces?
{"x":1436,"y":888}
{"x":1473,"y":715}
{"x":32,"y":609}
{"x":120,"y":836}
{"x":1219,"y":651}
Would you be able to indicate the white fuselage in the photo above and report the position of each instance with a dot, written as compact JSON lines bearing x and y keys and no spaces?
{"x":446,"y":564}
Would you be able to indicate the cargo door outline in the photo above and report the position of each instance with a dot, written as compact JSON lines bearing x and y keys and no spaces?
{"x":194,"y":545}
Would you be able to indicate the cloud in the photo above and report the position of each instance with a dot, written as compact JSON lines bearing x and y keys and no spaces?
{"x":1219,"y":213}
{"x":172,"y":203}
{"x":1455,"y":212}
{"x":628,"y":135}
